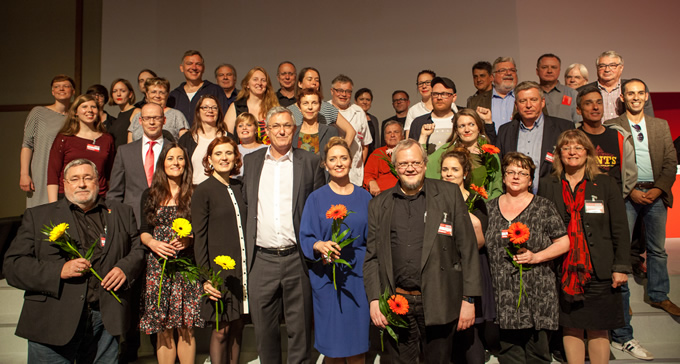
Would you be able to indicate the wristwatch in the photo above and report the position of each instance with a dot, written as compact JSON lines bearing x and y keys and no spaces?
{"x":469,"y":299}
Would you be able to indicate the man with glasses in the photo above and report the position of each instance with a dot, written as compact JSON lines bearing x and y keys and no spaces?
{"x":400,"y":103}
{"x":421,"y":245}
{"x":425,"y":106}
{"x":278,"y":180}
{"x":531,"y":132}
{"x":560,"y":100}
{"x":186,"y":95}
{"x":497,"y":105}
{"x":286,"y":75}
{"x":656,"y":168}
{"x":609,"y":66}
{"x":68,"y":313}
{"x":434,"y":128}
{"x":341,"y":91}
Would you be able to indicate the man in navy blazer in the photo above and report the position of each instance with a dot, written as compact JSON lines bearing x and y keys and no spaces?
{"x":531,"y":131}
{"x":68,"y":314}
{"x":278,"y":180}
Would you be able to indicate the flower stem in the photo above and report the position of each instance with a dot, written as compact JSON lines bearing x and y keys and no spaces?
{"x":160,"y":285}
{"x":521,"y":268}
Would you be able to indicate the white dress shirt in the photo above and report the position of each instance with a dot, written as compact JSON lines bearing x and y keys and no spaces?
{"x":275,"y":203}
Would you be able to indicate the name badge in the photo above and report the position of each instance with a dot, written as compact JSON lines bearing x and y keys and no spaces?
{"x":595,"y":207}
{"x":92,"y":147}
{"x":549,"y":157}
{"x":102,"y":240}
{"x":504,"y":234}
{"x":566,"y":100}
{"x":445,"y":229}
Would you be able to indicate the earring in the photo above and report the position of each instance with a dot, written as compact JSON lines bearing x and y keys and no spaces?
{"x":211,"y":166}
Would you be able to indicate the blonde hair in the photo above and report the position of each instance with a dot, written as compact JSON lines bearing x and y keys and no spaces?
{"x":269,"y":100}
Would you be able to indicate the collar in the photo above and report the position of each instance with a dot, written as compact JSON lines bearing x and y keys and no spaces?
{"x":400,"y":194}
{"x":146,"y":140}
{"x":287,"y":156}
{"x":495,"y":94}
{"x":100,"y":203}
{"x":536,"y":124}
{"x":602,"y":88}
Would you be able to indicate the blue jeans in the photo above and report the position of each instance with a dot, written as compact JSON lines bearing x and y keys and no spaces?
{"x":658,"y":283}
{"x":90,"y":344}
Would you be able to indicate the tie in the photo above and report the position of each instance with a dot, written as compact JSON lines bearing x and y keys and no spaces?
{"x":148,"y":163}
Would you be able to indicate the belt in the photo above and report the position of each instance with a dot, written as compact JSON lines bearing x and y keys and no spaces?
{"x":645,"y":185}
{"x":281,"y":252}
{"x":410,"y":293}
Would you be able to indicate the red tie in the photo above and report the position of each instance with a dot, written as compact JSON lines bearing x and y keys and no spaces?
{"x":148,"y":163}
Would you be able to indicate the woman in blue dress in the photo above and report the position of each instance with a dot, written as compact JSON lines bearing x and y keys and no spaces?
{"x":341,"y":317}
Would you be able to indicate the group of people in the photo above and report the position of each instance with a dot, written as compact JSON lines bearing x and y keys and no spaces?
{"x":499,"y":223}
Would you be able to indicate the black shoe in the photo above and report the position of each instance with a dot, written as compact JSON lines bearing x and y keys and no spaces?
{"x":640,"y":270}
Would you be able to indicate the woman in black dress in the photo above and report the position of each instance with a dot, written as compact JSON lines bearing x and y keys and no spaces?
{"x":122,"y":95}
{"x":217,"y":208}
{"x":598,"y":261}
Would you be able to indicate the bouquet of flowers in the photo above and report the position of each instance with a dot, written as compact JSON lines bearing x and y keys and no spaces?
{"x":227,"y":263}
{"x":181,"y":228}
{"x":518,"y":234}
{"x":61,"y":238}
{"x":393,"y":308}
{"x":388,"y":159}
{"x":338,"y":213}
{"x":476,"y":192}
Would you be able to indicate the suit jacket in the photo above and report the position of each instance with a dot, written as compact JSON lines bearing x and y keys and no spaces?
{"x":307,"y":177}
{"x":128,"y":178}
{"x":661,"y":152}
{"x":553,"y":127}
{"x":450,"y":264}
{"x":607,"y":234}
{"x":649,"y":108}
{"x":53,"y":306}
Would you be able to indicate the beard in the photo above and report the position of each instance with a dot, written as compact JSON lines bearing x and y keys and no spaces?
{"x":412,"y":186}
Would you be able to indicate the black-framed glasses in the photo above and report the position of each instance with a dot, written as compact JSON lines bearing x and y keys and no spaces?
{"x":638,"y":129}
{"x":506,"y":70}
{"x":341,"y":91}
{"x":442,"y":95}
{"x":209,"y":108}
{"x":401,"y":99}
{"x":611,"y":66}
{"x":424,"y":83}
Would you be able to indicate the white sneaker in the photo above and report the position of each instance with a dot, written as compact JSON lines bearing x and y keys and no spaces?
{"x":633,"y":348}
{"x":207,"y":361}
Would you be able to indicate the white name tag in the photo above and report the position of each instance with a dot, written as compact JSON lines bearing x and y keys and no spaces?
{"x":92,"y":147}
{"x":595,"y":207}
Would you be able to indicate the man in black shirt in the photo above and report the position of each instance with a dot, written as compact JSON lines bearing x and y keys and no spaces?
{"x":286,"y":75}
{"x":68,"y":314}
{"x":400,"y":103}
{"x":421,"y":245}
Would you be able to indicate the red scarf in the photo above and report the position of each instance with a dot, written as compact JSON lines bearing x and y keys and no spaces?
{"x":576,"y":268}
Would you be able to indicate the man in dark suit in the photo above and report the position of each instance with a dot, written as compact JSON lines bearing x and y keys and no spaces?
{"x":421,"y":245}
{"x":68,"y":314}
{"x":530,"y":131}
{"x":656,"y":163}
{"x":278,"y":180}
{"x":136,"y":162}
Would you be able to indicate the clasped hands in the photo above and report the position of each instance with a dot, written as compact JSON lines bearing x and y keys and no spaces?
{"x":328,"y":250}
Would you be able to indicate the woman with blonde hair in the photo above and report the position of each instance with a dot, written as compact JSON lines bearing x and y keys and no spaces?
{"x":257,"y":96}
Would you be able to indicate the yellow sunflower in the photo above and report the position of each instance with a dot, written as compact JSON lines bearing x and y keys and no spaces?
{"x":182,"y":227}
{"x":58,"y":231}
{"x":225,"y":262}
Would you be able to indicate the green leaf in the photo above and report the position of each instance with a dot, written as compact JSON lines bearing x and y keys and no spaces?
{"x":390,"y":331}
{"x":90,"y":251}
{"x":342,"y":235}
{"x":334,"y":285}
{"x":348,"y":242}
{"x":341,"y":261}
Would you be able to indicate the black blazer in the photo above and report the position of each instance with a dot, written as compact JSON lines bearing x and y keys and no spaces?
{"x":307,"y":177}
{"x":53,"y":306}
{"x":450,"y":264}
{"x":553,"y":127}
{"x":607,"y":234}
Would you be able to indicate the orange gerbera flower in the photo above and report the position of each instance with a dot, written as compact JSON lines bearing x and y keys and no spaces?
{"x":490,"y":148}
{"x":336,"y":212}
{"x":518,"y":233}
{"x":480,"y":191}
{"x":398,"y":304}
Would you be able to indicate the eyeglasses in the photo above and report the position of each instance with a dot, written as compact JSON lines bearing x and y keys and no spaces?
{"x":151,"y":118}
{"x":424,"y":83}
{"x":341,"y":91}
{"x":576,"y":148}
{"x":506,"y":70}
{"x":76,"y":180}
{"x":611,"y":66}
{"x":276,"y":127}
{"x":399,"y":100}
{"x":209,"y":108}
{"x":405,"y":165}
{"x":638,"y":129}
{"x":442,"y":95}
{"x":516,"y":173}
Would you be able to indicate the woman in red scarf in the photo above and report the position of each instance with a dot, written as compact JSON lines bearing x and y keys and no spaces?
{"x":598,"y":260}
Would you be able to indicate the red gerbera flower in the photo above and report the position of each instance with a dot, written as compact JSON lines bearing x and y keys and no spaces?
{"x":480,"y":191}
{"x":398,"y":304}
{"x":336,"y":212}
{"x":518,"y":233}
{"x":490,"y":148}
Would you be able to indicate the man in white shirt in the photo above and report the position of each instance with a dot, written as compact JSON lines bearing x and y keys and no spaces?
{"x":341,"y":90}
{"x":424,"y":107}
{"x":437,"y":125}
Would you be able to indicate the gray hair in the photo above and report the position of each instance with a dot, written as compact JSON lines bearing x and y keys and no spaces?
{"x":503,"y":59}
{"x":613,"y":54}
{"x":581,"y":68}
{"x":80,"y":162}
{"x":405,"y":144}
{"x":392,"y":122}
{"x":278,"y":110}
{"x":224,"y":65}
{"x":528,"y":85}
